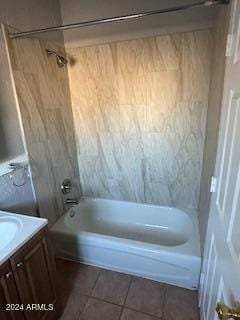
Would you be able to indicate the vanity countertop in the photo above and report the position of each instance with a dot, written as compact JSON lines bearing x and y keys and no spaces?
{"x":15,"y":231}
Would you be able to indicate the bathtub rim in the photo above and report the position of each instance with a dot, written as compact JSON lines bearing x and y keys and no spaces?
{"x":189,"y":248}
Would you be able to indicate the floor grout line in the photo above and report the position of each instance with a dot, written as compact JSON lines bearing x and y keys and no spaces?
{"x":80,"y":313}
{"x":95,"y":283}
{"x":103,"y":300}
{"x":120,"y":316}
{"x":142,"y":312}
{"x":123,"y":306}
{"x":164,"y":301}
{"x":118,"y":305}
{"x":89,"y":295}
{"x":130,"y":282}
{"x":145,"y":313}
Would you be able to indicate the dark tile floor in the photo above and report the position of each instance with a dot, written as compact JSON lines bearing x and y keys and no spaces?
{"x":90,"y":293}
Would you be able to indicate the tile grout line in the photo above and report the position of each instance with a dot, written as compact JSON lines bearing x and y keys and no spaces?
{"x":89,"y":296}
{"x":142,"y":312}
{"x":145,"y":313}
{"x":103,"y":300}
{"x":123,"y":306}
{"x":164,"y":301}
{"x":120,"y":316}
{"x":95,"y":283}
{"x":80,"y":313}
{"x":128,"y":289}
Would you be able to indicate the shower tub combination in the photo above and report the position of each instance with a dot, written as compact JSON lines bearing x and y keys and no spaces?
{"x":154,"y":242}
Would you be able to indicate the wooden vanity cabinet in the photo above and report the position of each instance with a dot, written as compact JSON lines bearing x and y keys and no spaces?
{"x":8,"y":293}
{"x":34,"y":281}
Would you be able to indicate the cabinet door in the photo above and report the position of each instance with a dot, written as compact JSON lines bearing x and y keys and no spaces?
{"x":35,"y":279}
{"x":9,"y":300}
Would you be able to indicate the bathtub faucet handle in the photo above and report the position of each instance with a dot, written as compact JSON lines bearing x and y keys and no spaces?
{"x":71,"y":201}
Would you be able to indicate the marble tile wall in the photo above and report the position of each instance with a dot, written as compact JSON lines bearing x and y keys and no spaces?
{"x":10,"y":129}
{"x":17,"y":199}
{"x":44,"y":100}
{"x":23,"y":15}
{"x":140,"y":110}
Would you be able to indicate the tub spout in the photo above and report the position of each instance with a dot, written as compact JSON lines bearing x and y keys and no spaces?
{"x":71,"y":201}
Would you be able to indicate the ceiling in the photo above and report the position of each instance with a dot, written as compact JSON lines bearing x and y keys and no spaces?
{"x":82,"y":10}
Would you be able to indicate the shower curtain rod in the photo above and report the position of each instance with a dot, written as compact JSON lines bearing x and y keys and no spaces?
{"x":118,"y":18}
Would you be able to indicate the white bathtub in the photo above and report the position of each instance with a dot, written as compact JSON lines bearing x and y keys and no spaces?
{"x":159,"y":243}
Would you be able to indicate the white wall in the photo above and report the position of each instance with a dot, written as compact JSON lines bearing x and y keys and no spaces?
{"x":213,"y":117}
{"x":81,"y":10}
{"x":28,"y":14}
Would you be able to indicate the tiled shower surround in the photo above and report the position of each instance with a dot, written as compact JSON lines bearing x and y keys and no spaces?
{"x":140,"y":110}
{"x":44,"y":101}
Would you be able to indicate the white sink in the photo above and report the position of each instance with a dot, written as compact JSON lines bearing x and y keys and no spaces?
{"x":9,"y":228}
{"x":15,"y":231}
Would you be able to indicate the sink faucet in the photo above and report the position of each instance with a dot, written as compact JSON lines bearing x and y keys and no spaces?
{"x":71,"y":201}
